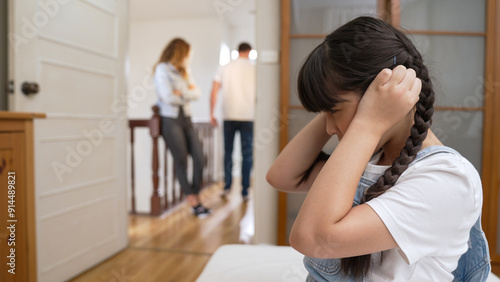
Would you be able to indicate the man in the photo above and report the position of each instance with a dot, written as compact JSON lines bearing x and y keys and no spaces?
{"x":237,"y":80}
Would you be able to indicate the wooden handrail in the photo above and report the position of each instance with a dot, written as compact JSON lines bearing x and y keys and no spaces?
{"x":206,"y":135}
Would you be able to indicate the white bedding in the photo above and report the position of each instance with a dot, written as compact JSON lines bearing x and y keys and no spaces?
{"x":249,"y":263}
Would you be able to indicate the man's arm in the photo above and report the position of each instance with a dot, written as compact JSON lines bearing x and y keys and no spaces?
{"x":213,"y":99}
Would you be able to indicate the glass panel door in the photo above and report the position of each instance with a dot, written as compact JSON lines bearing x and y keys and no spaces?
{"x":444,"y":15}
{"x":450,"y":34}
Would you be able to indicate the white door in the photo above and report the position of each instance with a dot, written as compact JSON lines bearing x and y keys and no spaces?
{"x":75,"y":51}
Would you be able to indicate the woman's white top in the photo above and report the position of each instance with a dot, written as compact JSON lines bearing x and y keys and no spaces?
{"x":166,"y":80}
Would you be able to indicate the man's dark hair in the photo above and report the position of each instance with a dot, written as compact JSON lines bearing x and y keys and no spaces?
{"x":243,"y":47}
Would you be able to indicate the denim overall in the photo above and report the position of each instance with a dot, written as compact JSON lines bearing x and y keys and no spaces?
{"x":473,"y":266}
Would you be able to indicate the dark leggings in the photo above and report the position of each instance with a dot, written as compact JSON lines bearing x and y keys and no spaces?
{"x":181,"y":139}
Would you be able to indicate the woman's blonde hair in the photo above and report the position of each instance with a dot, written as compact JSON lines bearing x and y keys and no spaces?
{"x":175,"y":53}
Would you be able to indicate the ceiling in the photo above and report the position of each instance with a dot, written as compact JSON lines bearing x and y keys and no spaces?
{"x":233,"y":12}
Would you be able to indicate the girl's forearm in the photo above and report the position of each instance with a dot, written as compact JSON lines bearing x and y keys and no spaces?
{"x":298,"y":156}
{"x":331,"y":195}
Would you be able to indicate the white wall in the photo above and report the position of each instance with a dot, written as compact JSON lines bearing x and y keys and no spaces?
{"x":239,"y":34}
{"x":147,"y":41}
{"x":266,"y":136}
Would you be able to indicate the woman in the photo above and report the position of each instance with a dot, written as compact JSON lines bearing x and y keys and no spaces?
{"x":176,"y":89}
{"x":416,"y":209}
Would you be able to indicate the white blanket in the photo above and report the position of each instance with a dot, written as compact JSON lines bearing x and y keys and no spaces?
{"x":249,"y":263}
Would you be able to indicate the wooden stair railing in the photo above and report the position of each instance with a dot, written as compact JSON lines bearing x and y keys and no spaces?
{"x":159,"y":205}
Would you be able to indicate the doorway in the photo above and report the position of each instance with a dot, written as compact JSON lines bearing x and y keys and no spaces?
{"x":214,"y":30}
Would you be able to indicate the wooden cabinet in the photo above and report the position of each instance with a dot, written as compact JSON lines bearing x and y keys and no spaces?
{"x":17,"y":214}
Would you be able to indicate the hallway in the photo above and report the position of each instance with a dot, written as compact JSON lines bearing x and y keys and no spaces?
{"x":175,"y":246}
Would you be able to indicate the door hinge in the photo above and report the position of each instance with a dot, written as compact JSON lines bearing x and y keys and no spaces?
{"x":10,"y":87}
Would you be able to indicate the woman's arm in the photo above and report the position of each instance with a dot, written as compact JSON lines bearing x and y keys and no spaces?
{"x":298,"y":156}
{"x":192,"y":92}
{"x":327,"y":226}
{"x":164,"y":88}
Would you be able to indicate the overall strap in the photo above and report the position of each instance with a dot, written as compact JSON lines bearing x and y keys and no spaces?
{"x":432,"y":150}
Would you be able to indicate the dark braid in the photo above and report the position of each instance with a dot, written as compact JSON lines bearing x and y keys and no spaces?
{"x":423,"y":120}
{"x":351,"y":57}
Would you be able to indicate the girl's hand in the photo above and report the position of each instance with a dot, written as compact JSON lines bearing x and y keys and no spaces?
{"x":389,"y":98}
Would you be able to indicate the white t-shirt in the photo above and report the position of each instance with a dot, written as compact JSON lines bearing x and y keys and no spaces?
{"x":237,"y":80}
{"x":429,"y":213}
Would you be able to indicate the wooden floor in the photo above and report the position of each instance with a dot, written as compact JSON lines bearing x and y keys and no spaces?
{"x":175,"y":246}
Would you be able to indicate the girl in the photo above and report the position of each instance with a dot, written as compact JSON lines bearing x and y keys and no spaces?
{"x":175,"y":89}
{"x":391,"y":203}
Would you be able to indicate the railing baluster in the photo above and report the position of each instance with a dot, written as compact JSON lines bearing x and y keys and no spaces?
{"x":132,"y":173}
{"x":165,"y":178}
{"x":154,"y":129}
{"x":210,"y":154}
{"x":174,"y":186}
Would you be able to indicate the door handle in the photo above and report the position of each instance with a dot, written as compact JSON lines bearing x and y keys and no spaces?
{"x":29,"y":88}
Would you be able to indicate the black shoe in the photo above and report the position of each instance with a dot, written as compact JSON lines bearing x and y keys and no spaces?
{"x":200,"y":211}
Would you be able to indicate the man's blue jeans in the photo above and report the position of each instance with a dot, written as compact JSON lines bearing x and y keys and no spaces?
{"x":246,"y":133}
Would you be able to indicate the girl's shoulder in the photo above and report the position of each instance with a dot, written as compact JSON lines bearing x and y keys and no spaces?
{"x":441,"y":156}
{"x":446,"y":163}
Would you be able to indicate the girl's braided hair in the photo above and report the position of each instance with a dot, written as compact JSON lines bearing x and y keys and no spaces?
{"x":349,"y":59}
